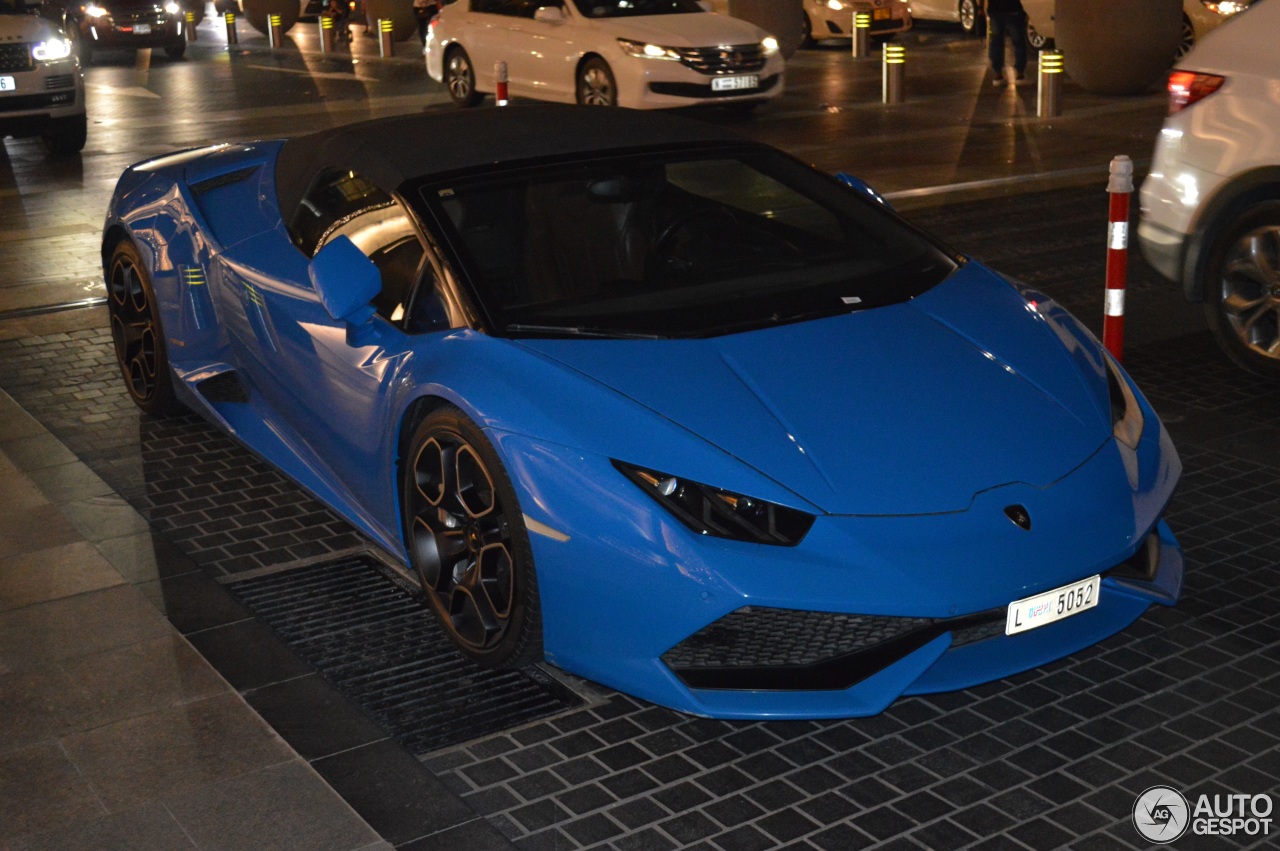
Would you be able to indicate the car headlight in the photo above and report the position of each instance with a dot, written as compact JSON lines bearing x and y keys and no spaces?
{"x":1126,"y":415}
{"x":51,"y":50}
{"x":769,"y":44}
{"x":1225,"y":8}
{"x":172,"y":8}
{"x":719,"y":513}
{"x":644,"y":50}
{"x":93,"y":10}
{"x":835,"y":5}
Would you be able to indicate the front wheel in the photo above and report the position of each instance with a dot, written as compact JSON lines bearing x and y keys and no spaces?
{"x":1035,"y":40}
{"x":67,"y":136}
{"x":460,"y":78}
{"x":176,"y":49}
{"x":1242,"y":289}
{"x":136,"y":332}
{"x":1187,"y":40}
{"x":468,"y":544}
{"x":596,"y":85}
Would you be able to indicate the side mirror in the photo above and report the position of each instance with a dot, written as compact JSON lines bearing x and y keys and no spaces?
{"x":346,"y":280}
{"x":549,"y":14}
{"x":857,"y":183}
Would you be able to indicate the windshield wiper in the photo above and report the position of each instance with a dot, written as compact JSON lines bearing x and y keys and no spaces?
{"x":581,"y":331}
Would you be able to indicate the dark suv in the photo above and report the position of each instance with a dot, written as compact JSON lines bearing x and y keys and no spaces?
{"x":124,"y":25}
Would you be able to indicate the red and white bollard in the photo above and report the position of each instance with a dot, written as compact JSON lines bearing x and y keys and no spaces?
{"x":500,"y":83}
{"x":1120,"y":186}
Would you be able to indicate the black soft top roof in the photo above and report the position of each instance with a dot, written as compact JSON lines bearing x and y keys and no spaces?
{"x":390,"y":151}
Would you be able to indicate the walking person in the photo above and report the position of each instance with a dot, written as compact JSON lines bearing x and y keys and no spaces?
{"x":1006,"y":17}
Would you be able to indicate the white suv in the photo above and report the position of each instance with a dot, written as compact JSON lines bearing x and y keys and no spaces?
{"x":636,"y":53}
{"x":1211,"y":203}
{"x":41,"y":87}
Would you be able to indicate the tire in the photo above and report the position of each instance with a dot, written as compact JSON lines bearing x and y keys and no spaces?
{"x":972,"y":20}
{"x":460,"y":78}
{"x":1036,"y":41}
{"x":176,"y":49}
{"x":806,"y":31}
{"x":1187,"y":40}
{"x":468,"y":544}
{"x":67,"y":136}
{"x":595,"y":85}
{"x":1242,"y":289}
{"x":136,"y":332}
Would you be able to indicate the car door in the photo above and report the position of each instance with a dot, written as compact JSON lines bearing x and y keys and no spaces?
{"x":543,"y":52}
{"x":486,"y":36}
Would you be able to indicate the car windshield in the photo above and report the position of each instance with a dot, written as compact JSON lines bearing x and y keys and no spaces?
{"x":676,"y":245}
{"x":629,"y":8}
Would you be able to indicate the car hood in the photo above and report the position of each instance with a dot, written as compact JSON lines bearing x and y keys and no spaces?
{"x":907,"y":409}
{"x":24,"y":28}
{"x":691,"y":29}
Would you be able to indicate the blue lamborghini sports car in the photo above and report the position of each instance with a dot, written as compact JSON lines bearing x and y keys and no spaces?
{"x":669,"y":409}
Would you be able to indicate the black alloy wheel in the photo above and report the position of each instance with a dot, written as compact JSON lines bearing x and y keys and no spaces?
{"x":468,"y":543}
{"x":136,"y":332}
{"x":1242,"y":289}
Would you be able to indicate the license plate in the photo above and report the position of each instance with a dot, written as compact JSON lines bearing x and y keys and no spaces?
{"x":8,"y":84}
{"x":1034,"y":612}
{"x":728,"y":84}
{"x":880,"y":14}
{"x":142,"y":29}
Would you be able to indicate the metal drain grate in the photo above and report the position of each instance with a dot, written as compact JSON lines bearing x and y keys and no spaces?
{"x":384,"y":650}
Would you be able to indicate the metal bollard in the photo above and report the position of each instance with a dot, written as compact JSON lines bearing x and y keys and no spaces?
{"x":273,"y":31}
{"x":191,"y":26}
{"x":1120,"y":187}
{"x":893,"y":67}
{"x":326,"y":34}
{"x":500,"y":83}
{"x":386,"y":42}
{"x":231,"y":28}
{"x":861,"y":35}
{"x":1049,"y":85}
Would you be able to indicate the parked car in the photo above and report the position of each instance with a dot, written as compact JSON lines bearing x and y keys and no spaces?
{"x":1210,"y":206}
{"x":1199,"y":18}
{"x":636,"y":53}
{"x":826,"y":20}
{"x":662,"y":406}
{"x":41,"y":87}
{"x":969,"y":14}
{"x":122,"y":24}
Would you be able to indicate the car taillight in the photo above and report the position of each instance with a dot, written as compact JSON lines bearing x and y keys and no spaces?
{"x":1187,"y":87}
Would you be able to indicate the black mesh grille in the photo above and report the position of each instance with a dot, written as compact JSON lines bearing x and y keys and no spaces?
{"x":16,"y":57}
{"x":758,"y":637}
{"x":729,"y":59}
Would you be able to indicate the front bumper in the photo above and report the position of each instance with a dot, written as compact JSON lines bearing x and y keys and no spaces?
{"x":44,"y":96}
{"x":621,"y":594}
{"x":108,"y":34}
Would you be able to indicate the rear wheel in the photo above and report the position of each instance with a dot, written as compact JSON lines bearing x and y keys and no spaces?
{"x":460,"y":78}
{"x":1242,"y":289}
{"x":136,"y":332}
{"x":1034,"y":40}
{"x":972,"y":20}
{"x":596,"y":86}
{"x":67,"y":136}
{"x":1187,"y":40}
{"x":468,"y":543}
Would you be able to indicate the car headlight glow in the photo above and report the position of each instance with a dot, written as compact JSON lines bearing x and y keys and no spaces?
{"x":1126,"y":414}
{"x":770,"y":45}
{"x":644,"y":50}
{"x":1226,"y":8}
{"x":835,"y":5}
{"x":172,"y":8}
{"x":93,"y":10}
{"x":51,"y":50}
{"x":719,"y":513}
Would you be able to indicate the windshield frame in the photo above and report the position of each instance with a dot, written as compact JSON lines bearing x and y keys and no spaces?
{"x":419,"y":192}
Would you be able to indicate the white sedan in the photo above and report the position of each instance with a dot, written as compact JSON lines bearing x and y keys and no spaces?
{"x":634,"y":53}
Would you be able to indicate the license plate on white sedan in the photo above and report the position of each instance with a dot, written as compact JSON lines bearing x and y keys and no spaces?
{"x":8,"y":84}
{"x":142,"y":29}
{"x":1033,"y":612}
{"x":729,"y":84}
